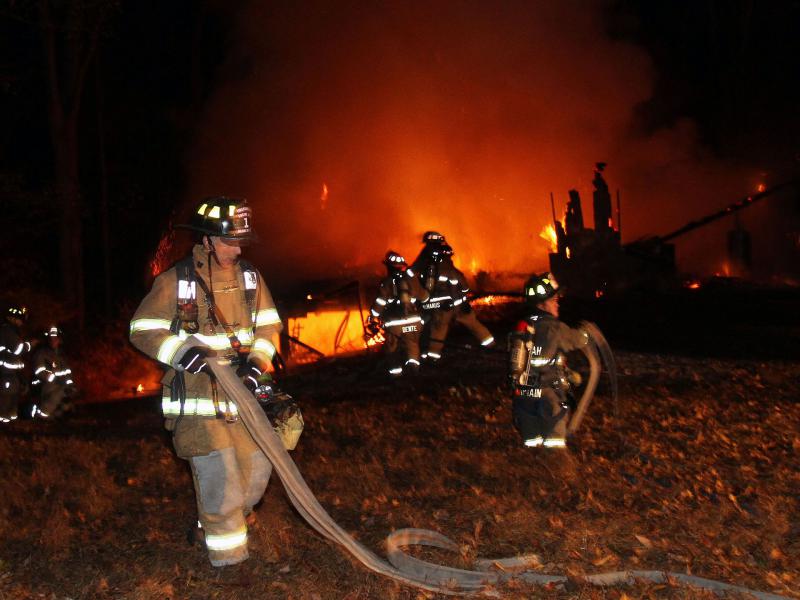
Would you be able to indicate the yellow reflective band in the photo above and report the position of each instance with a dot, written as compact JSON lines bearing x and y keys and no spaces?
{"x":265,"y":346}
{"x":203,"y":407}
{"x":228,"y":541}
{"x":220,"y":341}
{"x":168,"y":348}
{"x":266,"y":316}
{"x":214,"y":213}
{"x":202,"y":209}
{"x":231,"y":210}
{"x":149,"y":324}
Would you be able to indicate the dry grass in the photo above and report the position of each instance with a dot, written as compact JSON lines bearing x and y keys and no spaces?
{"x":701,"y":476}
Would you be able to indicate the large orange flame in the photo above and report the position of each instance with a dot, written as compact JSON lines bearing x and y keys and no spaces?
{"x":548,"y":233}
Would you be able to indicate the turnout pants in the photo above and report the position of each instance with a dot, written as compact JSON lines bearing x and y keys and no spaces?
{"x":230,"y":474}
{"x":542,"y":421}
{"x":402,"y":348}
{"x":440,"y":325}
{"x":10,"y":392}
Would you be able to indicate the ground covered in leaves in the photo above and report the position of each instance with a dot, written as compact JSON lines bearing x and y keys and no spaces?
{"x":699,"y":473}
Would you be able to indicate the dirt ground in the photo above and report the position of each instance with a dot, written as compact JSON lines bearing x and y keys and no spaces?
{"x":698,"y":474}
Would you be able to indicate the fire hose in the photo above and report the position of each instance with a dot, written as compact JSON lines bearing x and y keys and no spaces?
{"x":400,"y":566}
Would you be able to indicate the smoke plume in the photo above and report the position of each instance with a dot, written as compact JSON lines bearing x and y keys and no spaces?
{"x":354,"y":127}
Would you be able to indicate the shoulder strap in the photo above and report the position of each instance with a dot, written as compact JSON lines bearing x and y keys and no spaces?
{"x":251,"y":290}
{"x":185,"y":295}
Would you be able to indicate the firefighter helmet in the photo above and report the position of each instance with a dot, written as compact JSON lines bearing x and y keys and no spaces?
{"x":541,"y":287}
{"x":228,"y":218}
{"x":395,"y":261}
{"x":17,"y":311}
{"x":432,"y":237}
{"x":53,"y":331}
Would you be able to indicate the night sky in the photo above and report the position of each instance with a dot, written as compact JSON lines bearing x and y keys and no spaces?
{"x":459,"y":116}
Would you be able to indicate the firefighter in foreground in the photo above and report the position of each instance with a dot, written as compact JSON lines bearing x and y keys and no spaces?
{"x":210,"y":304}
{"x":448,"y":302}
{"x":12,"y":351}
{"x":538,"y":372}
{"x":52,"y":377}
{"x":398,"y":307}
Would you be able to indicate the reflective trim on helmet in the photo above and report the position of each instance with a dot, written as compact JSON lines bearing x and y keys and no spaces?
{"x":149,"y":324}
{"x":265,"y":346}
{"x":266,"y":316}
{"x":201,"y":407}
{"x":168,"y":348}
{"x":227,"y":541}
{"x":202,"y":209}
{"x":213,"y":213}
{"x":407,"y":321}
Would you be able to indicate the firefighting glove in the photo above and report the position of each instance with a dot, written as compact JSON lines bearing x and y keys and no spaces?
{"x":195,"y":359}
{"x":249,"y":375}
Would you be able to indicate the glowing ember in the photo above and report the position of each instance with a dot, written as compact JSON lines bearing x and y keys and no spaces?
{"x":761,"y":187}
{"x":162,"y":258}
{"x":692,"y":285}
{"x":323,"y":199}
{"x":548,"y":233}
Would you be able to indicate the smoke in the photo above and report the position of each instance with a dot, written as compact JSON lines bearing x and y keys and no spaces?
{"x":460,"y":117}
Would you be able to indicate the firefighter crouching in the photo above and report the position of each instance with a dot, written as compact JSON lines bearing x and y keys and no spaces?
{"x":537,"y":366}
{"x":214,"y":304}
{"x":398,"y":308}
{"x":12,"y":362}
{"x":448,"y":302}
{"x":52,"y":377}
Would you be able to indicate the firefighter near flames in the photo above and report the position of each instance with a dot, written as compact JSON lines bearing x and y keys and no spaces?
{"x":214,"y":304}
{"x":544,"y":408}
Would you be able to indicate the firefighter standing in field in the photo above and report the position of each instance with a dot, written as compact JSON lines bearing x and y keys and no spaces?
{"x":398,"y":308}
{"x":538,"y":373}
{"x":52,"y":377}
{"x":12,"y":351}
{"x":213,"y":304}
{"x":448,"y":303}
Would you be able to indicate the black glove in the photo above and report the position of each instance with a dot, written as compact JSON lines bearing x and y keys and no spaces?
{"x":194,"y":360}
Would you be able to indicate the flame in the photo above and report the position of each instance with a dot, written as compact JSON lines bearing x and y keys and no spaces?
{"x":761,"y":187}
{"x":375,"y":340}
{"x":725,"y":271}
{"x":492,"y":300}
{"x":329,"y":331}
{"x":162,"y":258}
{"x":474,"y":266}
{"x":692,"y":285}
{"x":323,"y":199}
{"x":139,"y":388}
{"x":548,"y":233}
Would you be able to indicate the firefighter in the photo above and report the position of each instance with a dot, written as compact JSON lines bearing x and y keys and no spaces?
{"x":12,"y":362}
{"x":433,"y":241}
{"x":213,"y":303}
{"x":538,"y":373}
{"x":52,"y":377}
{"x":448,"y":303}
{"x":398,"y":307}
